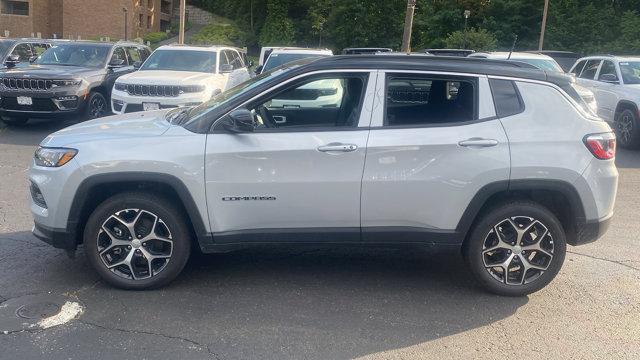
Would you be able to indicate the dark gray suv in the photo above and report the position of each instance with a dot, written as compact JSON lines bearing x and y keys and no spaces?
{"x":69,"y":79}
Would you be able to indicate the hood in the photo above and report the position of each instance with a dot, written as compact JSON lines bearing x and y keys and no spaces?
{"x":51,"y":72}
{"x":161,"y":77}
{"x":134,"y":125}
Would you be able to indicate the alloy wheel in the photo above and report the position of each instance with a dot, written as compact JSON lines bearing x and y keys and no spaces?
{"x":97,"y":107}
{"x":625,"y":127}
{"x":135,"y":244}
{"x":518,"y":250}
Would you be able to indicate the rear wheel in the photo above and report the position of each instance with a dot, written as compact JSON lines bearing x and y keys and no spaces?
{"x":137,"y":241}
{"x":627,"y":129}
{"x":15,"y":121}
{"x":516,"y":249}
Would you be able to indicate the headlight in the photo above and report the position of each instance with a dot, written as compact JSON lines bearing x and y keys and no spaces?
{"x":54,"y":157}
{"x":120,"y":86}
{"x":74,"y":82}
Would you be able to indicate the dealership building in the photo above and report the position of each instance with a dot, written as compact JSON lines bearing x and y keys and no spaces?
{"x":85,"y":19}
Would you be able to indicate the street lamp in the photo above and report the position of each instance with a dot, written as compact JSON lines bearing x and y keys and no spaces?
{"x":467,"y":13}
{"x":126,"y":37}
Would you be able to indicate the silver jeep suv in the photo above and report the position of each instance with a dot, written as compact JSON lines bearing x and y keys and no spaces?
{"x":615,"y":81}
{"x":498,"y":159}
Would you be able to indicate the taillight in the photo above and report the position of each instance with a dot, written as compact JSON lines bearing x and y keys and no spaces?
{"x":602,"y":146}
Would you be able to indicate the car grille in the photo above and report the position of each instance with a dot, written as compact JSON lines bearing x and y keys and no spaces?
{"x":11,"y":103}
{"x":153,"y":90}
{"x":26,"y":84}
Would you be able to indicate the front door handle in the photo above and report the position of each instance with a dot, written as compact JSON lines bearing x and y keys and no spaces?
{"x":338,"y":147}
{"x":478,"y":142}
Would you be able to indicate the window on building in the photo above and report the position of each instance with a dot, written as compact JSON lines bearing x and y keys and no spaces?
{"x":140,"y":20}
{"x":149,"y":21}
{"x":150,"y":4}
{"x":14,"y":7}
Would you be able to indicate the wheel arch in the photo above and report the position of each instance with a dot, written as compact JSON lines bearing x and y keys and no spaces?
{"x":560,"y":197}
{"x":626,"y":104}
{"x":97,"y":188}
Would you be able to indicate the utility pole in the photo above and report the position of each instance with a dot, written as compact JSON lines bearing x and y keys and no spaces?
{"x":126,"y":35}
{"x":467,"y":13}
{"x":408,"y":25}
{"x":183,"y":15}
{"x":544,"y":24}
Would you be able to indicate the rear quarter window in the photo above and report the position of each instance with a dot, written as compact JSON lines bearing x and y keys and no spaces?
{"x":506,"y":97}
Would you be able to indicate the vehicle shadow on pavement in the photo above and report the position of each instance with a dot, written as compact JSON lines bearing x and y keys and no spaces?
{"x":629,"y":159}
{"x":33,"y":132}
{"x":324,"y":303}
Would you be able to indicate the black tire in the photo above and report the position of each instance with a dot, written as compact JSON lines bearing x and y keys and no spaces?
{"x":481,"y":239}
{"x":15,"y":121}
{"x":147,"y":203}
{"x":96,"y":106}
{"x":627,"y":129}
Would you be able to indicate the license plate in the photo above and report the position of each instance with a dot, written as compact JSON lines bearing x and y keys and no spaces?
{"x":150,"y":106}
{"x":25,"y":100}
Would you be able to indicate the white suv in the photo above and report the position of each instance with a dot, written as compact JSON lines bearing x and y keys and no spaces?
{"x":176,"y":76}
{"x":280,"y":56}
{"x":509,"y":168}
{"x":615,"y":81}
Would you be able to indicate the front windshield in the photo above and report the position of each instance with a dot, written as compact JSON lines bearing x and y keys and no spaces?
{"x":181,"y":60}
{"x":630,"y":72}
{"x":227,"y":96}
{"x":276,"y":60}
{"x":85,"y":55}
{"x":543,"y":64}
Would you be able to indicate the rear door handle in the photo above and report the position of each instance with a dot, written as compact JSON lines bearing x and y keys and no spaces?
{"x":338,"y":148}
{"x":478,"y":142}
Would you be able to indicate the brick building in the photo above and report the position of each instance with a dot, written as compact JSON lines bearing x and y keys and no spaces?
{"x":87,"y":19}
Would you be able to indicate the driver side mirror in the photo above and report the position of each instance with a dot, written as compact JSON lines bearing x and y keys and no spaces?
{"x":137,"y":65}
{"x":259,"y":69}
{"x":226,"y":68}
{"x":239,"y":121}
{"x":33,"y":58}
{"x":610,"y":78}
{"x":115,"y":63}
{"x":12,"y":60}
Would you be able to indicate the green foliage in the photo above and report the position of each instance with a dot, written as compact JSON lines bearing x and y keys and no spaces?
{"x":477,"y":39}
{"x":219,"y":34}
{"x":155,"y":37}
{"x":278,"y":27}
{"x":585,"y":26}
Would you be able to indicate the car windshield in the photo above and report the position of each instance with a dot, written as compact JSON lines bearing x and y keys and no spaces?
{"x":543,"y":64}
{"x":181,"y":60}
{"x":227,"y":96}
{"x":630,"y":72}
{"x":276,"y":60}
{"x":85,"y":55}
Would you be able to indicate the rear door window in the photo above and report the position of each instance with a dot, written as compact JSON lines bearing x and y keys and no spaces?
{"x":416,"y":100}
{"x":578,"y":68}
{"x":134,"y":54}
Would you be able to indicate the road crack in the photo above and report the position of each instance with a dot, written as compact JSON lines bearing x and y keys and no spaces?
{"x":621,"y":263}
{"x":144,"y":332}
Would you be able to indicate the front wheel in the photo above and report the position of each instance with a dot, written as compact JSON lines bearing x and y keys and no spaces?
{"x":97,"y":106}
{"x":137,"y":241}
{"x":627,"y":129}
{"x":516,"y":249}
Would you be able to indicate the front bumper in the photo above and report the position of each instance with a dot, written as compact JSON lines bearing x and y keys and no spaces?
{"x":58,"y":238}
{"x":122,"y":102}
{"x":47,"y":104}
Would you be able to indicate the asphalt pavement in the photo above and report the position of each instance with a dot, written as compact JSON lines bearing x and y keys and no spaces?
{"x":316,"y":303}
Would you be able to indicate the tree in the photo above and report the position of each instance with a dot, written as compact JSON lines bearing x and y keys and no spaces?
{"x":278,"y":27}
{"x":477,"y":39}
